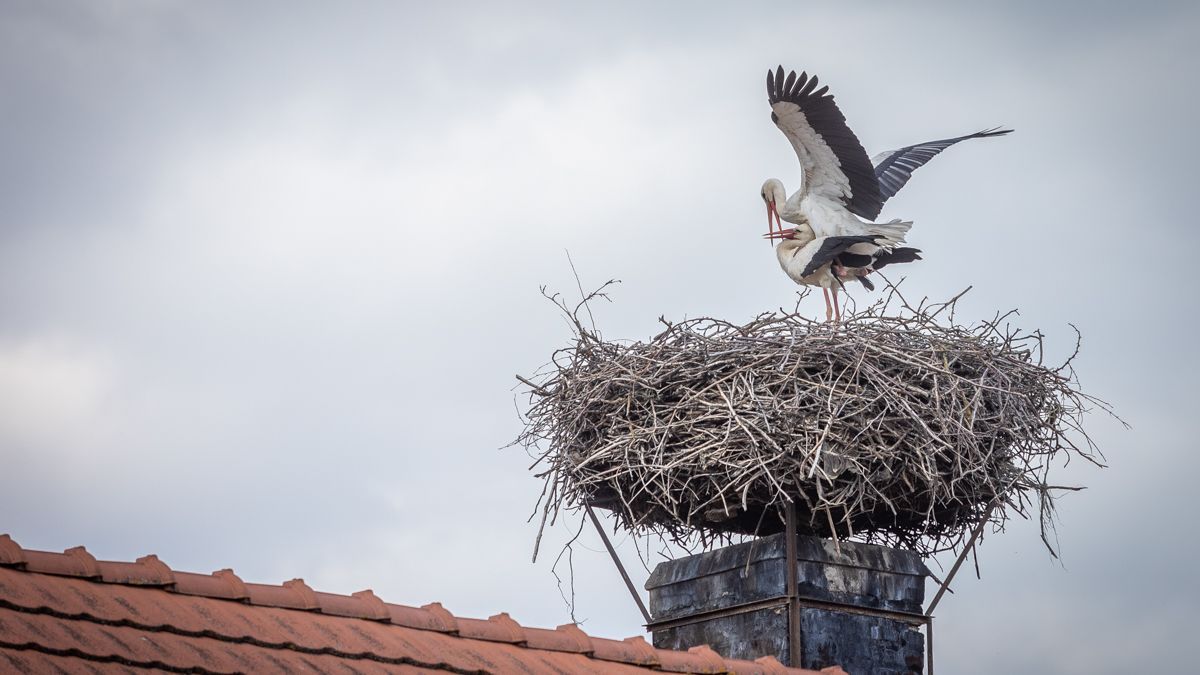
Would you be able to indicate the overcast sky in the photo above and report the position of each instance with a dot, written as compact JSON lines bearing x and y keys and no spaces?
{"x":267,"y":271}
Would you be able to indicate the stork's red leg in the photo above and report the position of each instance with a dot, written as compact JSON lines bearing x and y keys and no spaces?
{"x":837,"y":312}
{"x":828,"y":307}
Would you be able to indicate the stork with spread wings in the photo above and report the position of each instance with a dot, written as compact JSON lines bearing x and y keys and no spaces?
{"x":842,"y":191}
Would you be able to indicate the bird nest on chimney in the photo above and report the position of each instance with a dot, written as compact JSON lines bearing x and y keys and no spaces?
{"x":896,"y":426}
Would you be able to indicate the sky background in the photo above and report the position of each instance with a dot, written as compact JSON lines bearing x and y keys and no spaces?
{"x":267,"y":271}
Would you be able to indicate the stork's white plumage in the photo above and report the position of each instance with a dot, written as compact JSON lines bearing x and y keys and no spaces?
{"x":842,"y":191}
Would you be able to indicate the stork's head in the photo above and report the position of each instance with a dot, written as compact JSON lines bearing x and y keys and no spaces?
{"x":773,"y":195}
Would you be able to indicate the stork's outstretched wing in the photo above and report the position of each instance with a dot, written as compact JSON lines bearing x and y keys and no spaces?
{"x":895,"y":167}
{"x":835,"y":164}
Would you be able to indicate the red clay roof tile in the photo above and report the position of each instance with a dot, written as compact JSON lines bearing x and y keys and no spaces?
{"x":34,"y":663}
{"x":357,"y":606}
{"x":294,"y":594}
{"x":695,"y":660}
{"x":768,"y":664}
{"x":499,"y":628}
{"x":581,"y":638}
{"x":10,"y":553}
{"x":374,"y":607}
{"x":145,"y":571}
{"x":74,"y":562}
{"x":223,"y":584}
{"x":69,"y":613}
{"x":558,"y":640}
{"x":418,"y":617}
{"x":633,"y":650}
{"x":447,"y":620}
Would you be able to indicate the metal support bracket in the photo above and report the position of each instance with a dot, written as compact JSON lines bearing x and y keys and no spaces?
{"x":795,"y":646}
{"x":612,"y":552}
{"x":945,"y":585}
{"x":961,"y":557}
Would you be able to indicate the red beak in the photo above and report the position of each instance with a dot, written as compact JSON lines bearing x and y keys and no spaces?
{"x":773,"y":218}
{"x":781,"y":234}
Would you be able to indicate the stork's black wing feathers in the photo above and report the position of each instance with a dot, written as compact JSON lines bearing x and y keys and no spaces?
{"x":832,"y":247}
{"x":896,"y":255}
{"x":893,"y":169}
{"x":827,"y":122}
{"x":855,"y":260}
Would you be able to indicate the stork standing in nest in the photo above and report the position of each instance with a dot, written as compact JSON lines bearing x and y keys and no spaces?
{"x":842,"y":190}
{"x":830,"y":261}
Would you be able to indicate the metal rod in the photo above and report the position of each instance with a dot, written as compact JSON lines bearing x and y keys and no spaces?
{"x":961,"y":557}
{"x":736,"y":610}
{"x":782,"y":601}
{"x":929,"y":573}
{"x":929,"y":646}
{"x":620,"y":568}
{"x":795,"y":646}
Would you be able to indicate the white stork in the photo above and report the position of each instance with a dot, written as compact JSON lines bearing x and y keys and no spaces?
{"x":829,"y":261}
{"x":842,"y":191}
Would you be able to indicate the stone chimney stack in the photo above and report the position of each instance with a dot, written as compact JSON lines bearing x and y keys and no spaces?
{"x":854,"y":605}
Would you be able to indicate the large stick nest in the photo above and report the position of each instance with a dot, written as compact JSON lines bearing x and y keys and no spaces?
{"x":897,"y":426}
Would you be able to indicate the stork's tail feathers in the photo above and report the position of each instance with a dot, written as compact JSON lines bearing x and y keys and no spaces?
{"x":894,"y":231}
{"x":883,"y":258}
{"x":898,"y":255}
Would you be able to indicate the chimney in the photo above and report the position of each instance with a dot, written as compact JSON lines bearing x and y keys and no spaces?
{"x":855,"y":605}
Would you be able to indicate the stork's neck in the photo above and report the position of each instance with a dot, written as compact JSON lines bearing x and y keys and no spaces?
{"x":787,"y":249}
{"x":791,"y":209}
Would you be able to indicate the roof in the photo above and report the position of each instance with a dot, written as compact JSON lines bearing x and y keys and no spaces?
{"x":70,"y":613}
